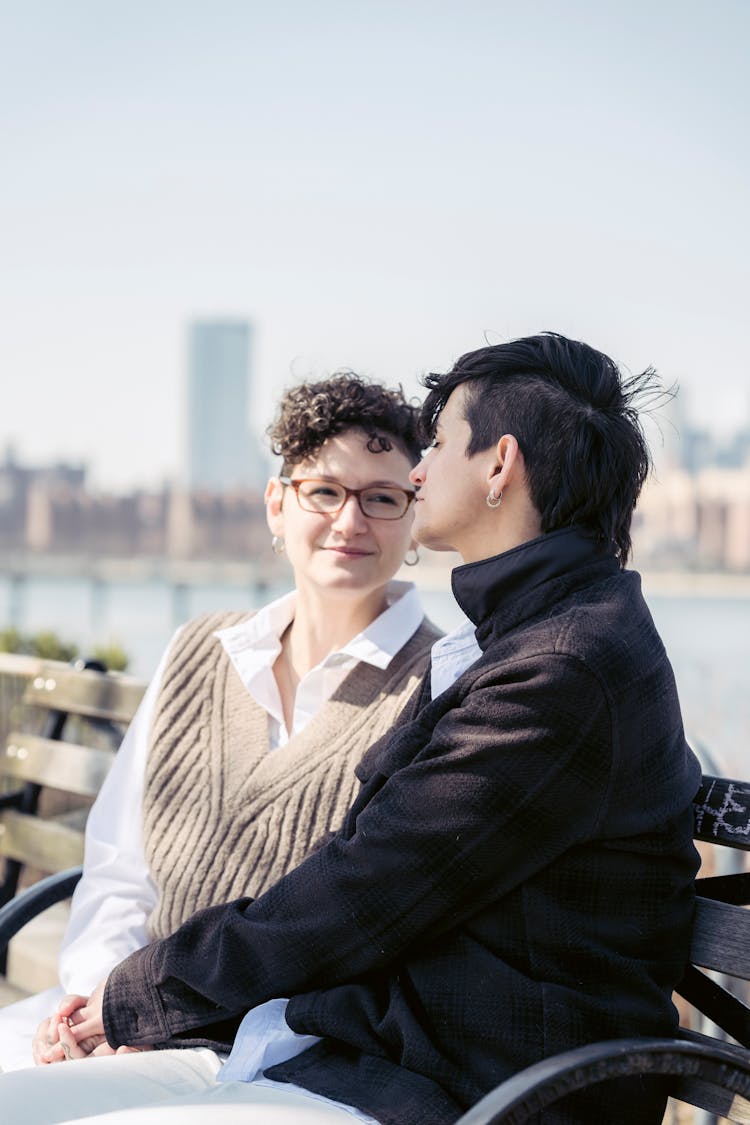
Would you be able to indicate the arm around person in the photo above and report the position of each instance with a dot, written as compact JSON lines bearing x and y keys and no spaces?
{"x":451,"y":816}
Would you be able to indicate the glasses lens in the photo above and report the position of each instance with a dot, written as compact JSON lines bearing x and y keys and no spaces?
{"x":384,"y":503}
{"x":321,"y":495}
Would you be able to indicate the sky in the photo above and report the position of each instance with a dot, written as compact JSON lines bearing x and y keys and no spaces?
{"x":377,"y":186}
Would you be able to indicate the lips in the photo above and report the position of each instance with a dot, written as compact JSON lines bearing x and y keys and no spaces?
{"x":350,"y":553}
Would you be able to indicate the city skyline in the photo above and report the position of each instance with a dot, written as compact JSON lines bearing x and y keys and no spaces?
{"x":381,"y":188}
{"x":676,"y":439}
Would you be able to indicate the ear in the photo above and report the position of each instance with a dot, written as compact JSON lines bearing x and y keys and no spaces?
{"x":273,"y":499}
{"x":507,"y":465}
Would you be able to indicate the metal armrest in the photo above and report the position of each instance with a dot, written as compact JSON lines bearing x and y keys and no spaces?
{"x":525,"y":1094}
{"x":32,"y":901}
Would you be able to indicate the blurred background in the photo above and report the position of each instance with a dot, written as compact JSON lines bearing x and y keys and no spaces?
{"x":204,"y":203}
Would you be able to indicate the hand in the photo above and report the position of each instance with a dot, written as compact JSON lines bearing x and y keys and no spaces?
{"x":76,"y":1031}
{"x":81,"y":1029}
{"x":85,"y":1050}
{"x":46,"y":1046}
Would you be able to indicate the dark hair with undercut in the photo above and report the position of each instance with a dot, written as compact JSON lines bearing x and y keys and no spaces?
{"x":576,"y":422}
{"x":310,"y":413}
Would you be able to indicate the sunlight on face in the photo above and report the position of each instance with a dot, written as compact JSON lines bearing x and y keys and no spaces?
{"x":344,"y":552}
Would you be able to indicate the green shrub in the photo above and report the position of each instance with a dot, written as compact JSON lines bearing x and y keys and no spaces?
{"x":48,"y":646}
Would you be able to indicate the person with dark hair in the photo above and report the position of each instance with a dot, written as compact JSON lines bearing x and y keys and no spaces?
{"x":585,"y":456}
{"x":516,"y":875}
{"x":242,"y":754}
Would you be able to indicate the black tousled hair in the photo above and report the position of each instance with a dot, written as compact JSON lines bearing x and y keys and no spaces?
{"x":576,"y":421}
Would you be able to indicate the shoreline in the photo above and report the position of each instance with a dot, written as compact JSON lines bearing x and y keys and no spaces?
{"x":434,"y":577}
{"x":681,"y":584}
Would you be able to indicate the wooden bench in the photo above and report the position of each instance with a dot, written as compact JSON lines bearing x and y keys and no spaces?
{"x":66,"y":728}
{"x":708,"y":1069}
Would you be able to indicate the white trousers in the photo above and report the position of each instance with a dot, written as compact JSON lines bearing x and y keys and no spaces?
{"x":153,"y":1088}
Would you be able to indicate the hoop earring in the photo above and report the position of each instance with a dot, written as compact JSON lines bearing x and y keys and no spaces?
{"x":277,"y":545}
{"x":415,"y":560}
{"x":493,"y":501}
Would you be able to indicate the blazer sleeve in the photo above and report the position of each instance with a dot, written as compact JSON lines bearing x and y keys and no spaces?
{"x":468,"y":803}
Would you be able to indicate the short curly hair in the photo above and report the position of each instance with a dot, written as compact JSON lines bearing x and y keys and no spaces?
{"x":310,"y":413}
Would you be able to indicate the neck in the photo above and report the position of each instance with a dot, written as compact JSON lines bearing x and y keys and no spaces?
{"x":321,"y":626}
{"x":502,"y":531}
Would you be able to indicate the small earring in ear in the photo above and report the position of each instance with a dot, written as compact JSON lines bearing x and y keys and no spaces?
{"x":277,"y":545}
{"x":492,"y":500}
{"x":415,"y":560}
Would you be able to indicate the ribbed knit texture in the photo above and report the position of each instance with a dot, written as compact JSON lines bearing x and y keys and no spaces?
{"x":223,"y":816}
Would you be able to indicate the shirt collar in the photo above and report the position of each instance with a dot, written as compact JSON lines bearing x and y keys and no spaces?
{"x":254,"y":644}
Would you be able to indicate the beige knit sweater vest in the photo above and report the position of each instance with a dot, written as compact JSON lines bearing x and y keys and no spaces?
{"x":224,"y":816}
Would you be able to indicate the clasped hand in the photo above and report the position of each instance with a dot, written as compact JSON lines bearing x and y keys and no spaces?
{"x":75,"y":1031}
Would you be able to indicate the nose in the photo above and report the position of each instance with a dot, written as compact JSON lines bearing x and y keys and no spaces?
{"x":416,"y":476}
{"x":350,"y":519}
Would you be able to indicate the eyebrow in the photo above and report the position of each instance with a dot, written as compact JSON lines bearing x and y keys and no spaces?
{"x":372,"y":484}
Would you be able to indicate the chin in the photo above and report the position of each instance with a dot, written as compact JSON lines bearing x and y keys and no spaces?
{"x":431,"y":540}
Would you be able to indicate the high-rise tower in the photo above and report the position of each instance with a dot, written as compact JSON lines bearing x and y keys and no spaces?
{"x":222,"y":453}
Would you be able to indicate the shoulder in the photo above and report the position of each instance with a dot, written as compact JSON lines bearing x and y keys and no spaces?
{"x":199,"y":633}
{"x":215,"y":621}
{"x":600,"y":639}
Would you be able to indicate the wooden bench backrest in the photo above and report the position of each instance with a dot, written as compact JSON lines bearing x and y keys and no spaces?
{"x":74,"y":720}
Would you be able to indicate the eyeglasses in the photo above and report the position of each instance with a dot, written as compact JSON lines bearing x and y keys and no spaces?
{"x":329,"y":497}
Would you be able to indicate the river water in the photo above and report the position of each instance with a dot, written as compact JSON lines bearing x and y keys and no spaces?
{"x":707,"y":638}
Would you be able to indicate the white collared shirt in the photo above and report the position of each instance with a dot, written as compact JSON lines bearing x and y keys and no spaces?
{"x":254,"y":645}
{"x":452,"y":655}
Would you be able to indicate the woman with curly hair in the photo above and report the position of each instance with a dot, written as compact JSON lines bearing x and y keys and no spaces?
{"x":242,"y":754}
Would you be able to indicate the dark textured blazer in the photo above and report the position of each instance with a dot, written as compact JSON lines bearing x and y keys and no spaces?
{"x":514,"y":879}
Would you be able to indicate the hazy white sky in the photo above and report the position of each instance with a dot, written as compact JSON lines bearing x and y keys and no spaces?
{"x":375,"y":184}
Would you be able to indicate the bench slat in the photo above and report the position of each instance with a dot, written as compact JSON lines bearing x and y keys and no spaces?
{"x":58,"y":687}
{"x":720,"y":938}
{"x":720,"y":1103}
{"x":50,"y":845}
{"x":60,"y":765}
{"x":721,"y":812}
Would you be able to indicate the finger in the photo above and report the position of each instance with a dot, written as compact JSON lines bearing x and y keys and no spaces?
{"x":71,"y":1048}
{"x":89,"y":1045}
{"x":132,"y":1050}
{"x":80,"y":1048}
{"x":52,"y":1054}
{"x":41,"y":1040}
{"x":45,"y":1046}
{"x":105,"y":1049}
{"x":86,"y":1028}
{"x":70,"y":1004}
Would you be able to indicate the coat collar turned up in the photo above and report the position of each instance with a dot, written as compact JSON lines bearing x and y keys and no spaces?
{"x":500,"y":590}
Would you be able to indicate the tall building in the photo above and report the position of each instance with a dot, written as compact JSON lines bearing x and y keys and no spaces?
{"x":222,"y":453}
